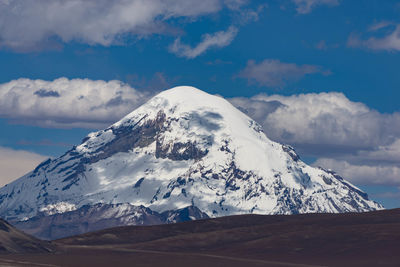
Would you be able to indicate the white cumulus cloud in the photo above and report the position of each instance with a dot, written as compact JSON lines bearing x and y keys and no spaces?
{"x":321,"y":119}
{"x":377,"y":166}
{"x":67,"y":103}
{"x":363,"y":174}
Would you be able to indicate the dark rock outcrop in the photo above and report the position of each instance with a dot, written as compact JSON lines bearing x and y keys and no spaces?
{"x":182,"y":215}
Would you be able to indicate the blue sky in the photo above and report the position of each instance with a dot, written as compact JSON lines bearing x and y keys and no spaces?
{"x":321,"y":75}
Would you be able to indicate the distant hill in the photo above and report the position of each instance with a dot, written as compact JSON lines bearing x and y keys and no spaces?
{"x":101,"y":216}
{"x":15,"y":241}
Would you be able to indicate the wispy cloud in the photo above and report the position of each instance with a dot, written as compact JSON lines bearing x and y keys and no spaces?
{"x":274,"y":73}
{"x":235,"y":4}
{"x":219,"y":62}
{"x":379,"y":25}
{"x":385,"y":36}
{"x":306,"y":6}
{"x":215,"y":40}
{"x":243,"y":16}
{"x":323,"y":45}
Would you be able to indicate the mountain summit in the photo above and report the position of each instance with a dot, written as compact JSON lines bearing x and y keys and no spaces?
{"x":182,"y":148}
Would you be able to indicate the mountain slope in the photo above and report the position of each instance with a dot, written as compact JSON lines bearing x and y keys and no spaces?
{"x":15,"y":241}
{"x":182,"y":148}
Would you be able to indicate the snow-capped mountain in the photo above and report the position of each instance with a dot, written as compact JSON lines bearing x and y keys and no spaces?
{"x":182,"y":148}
